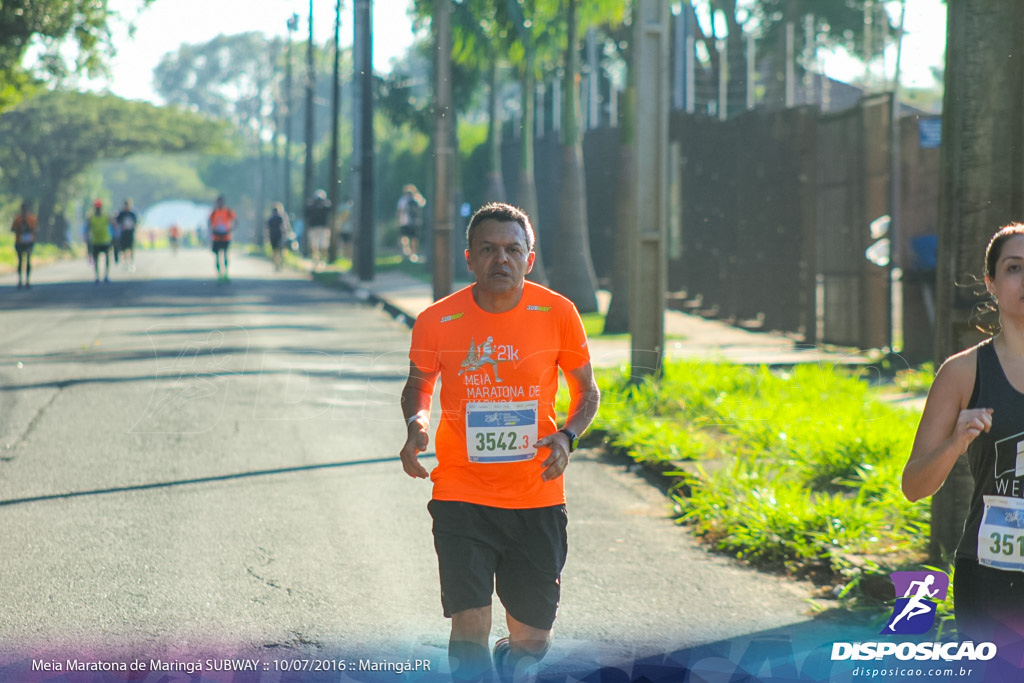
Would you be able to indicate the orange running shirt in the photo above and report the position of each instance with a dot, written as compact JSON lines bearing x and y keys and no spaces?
{"x":499,"y":376}
{"x":24,"y":227}
{"x":221,"y":222}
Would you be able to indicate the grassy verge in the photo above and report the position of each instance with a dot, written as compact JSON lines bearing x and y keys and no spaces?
{"x":796,"y":470}
{"x":41,"y":253}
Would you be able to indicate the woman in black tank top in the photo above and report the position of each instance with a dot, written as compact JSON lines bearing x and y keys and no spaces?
{"x":976,"y":406}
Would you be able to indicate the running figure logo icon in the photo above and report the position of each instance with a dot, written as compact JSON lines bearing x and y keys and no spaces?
{"x":914,"y":612}
{"x":480,"y":355}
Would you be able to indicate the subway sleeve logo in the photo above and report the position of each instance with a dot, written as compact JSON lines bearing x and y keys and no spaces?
{"x":449,"y":318}
{"x":542,"y":309}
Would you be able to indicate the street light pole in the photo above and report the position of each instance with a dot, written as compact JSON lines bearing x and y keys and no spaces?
{"x":293,"y":25}
{"x":443,"y":266}
{"x":310,"y":81}
{"x":362,"y":47}
{"x":649,"y":271}
{"x":332,"y":190}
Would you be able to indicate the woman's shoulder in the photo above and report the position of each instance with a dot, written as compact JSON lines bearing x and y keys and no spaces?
{"x":959,"y":369}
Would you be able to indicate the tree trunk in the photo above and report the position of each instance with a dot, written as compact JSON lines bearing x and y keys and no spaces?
{"x":982,"y":189}
{"x":617,"y":319}
{"x":574,"y":277}
{"x":527,"y":198}
{"x":495,"y":181}
{"x":47,"y":231}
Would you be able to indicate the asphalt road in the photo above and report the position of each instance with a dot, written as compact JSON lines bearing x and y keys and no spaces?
{"x":190,"y":467}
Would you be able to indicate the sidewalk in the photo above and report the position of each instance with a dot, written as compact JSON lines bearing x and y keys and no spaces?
{"x":687,"y":336}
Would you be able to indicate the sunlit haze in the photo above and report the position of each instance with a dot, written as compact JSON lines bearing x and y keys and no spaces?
{"x":166,"y":24}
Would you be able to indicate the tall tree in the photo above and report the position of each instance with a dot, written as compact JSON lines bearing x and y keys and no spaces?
{"x":50,"y":23}
{"x":232,"y":77}
{"x":573,"y":275}
{"x":858,"y":27}
{"x":980,"y":190}
{"x":616,"y":320}
{"x":51,"y":139}
{"x":481,"y":31}
{"x":531,"y":28}
{"x":480,"y":40}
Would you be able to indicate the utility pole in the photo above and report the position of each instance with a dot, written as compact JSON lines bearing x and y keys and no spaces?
{"x":310,"y":82}
{"x":332,"y":190}
{"x":895,"y":199}
{"x":649,"y":267}
{"x":443,"y":266}
{"x":293,"y":25}
{"x":362,"y":47}
{"x":980,"y":190}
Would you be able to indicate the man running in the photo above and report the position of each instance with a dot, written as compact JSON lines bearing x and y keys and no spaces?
{"x":498,"y":500}
{"x":126,"y":221}
{"x":24,"y":228}
{"x":409,"y":216}
{"x":100,"y":235}
{"x":318,"y":221}
{"x":221,"y":223}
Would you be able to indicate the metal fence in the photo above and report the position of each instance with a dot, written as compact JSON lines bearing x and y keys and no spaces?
{"x":774,"y":218}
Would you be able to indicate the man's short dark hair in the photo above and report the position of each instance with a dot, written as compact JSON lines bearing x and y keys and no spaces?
{"x":503,"y":213}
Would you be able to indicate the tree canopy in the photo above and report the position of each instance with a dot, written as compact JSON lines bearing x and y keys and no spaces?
{"x":51,"y":139}
{"x":232,"y":77}
{"x":49,"y":23}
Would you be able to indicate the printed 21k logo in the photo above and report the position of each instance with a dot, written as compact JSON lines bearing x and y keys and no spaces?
{"x":914,"y":612}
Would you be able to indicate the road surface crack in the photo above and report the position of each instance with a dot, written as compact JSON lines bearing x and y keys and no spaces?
{"x":270,"y":583}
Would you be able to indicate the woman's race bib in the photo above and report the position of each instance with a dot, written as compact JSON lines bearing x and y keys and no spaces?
{"x":1001,"y":534}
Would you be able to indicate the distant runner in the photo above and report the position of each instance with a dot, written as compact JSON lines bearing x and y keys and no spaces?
{"x":278,"y":230}
{"x":126,"y":221}
{"x":100,"y":236}
{"x":24,"y":228}
{"x":221,"y":223}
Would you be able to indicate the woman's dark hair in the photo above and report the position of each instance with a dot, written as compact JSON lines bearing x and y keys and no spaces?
{"x":504,"y":213}
{"x":985,"y":316}
{"x":995,"y":246}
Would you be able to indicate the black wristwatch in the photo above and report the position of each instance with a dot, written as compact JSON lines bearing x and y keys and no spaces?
{"x":574,"y":440}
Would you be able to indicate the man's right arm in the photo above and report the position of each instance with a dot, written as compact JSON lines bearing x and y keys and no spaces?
{"x":416,"y":411}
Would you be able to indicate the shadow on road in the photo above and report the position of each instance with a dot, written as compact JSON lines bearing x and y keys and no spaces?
{"x":171,"y":293}
{"x":201,"y":480}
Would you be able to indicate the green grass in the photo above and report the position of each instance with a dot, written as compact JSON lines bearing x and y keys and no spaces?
{"x":797,"y":470}
{"x":593,"y":323}
{"x":916,"y":380}
{"x":41,"y":253}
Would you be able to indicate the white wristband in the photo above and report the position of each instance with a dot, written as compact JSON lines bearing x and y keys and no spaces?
{"x":413,"y":418}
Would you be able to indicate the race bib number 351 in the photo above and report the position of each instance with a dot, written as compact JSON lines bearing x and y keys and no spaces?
{"x":1001,"y":535}
{"x":501,"y":431}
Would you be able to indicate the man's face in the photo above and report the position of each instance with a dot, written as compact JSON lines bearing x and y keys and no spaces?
{"x":498,"y":256}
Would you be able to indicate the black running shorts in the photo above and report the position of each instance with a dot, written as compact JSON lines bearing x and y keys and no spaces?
{"x":520,"y":553}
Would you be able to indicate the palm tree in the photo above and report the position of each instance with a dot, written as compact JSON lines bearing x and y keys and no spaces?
{"x":527,"y":30}
{"x":574,"y":277}
{"x":617,"y":319}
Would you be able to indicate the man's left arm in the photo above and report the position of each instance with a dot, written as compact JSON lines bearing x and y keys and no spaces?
{"x":584,"y":399}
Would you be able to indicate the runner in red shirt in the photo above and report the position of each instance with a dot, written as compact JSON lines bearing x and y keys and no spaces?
{"x":498,"y":501}
{"x":221,"y":223}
